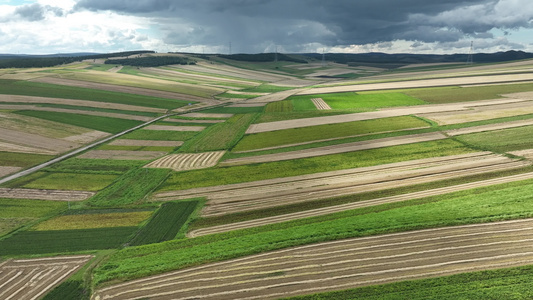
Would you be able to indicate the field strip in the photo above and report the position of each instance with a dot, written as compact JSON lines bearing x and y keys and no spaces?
{"x":87,"y":137}
{"x":187,"y":161}
{"x":193,"y":121}
{"x":320,"y":104}
{"x":421,"y":83}
{"x":38,"y":194}
{"x":245,"y":104}
{"x":490,"y":127}
{"x":78,"y":112}
{"x":9,"y":147}
{"x":174,"y":128}
{"x":115,"y":69}
{"x":409,"y":164}
{"x":86,"y":103}
{"x":31,"y":281}
{"x":220,"y":204}
{"x":326,"y":140}
{"x":36,"y":141}
{"x":274,"y":97}
{"x":482,"y":113}
{"x":206,"y":115}
{"x":235,"y":72}
{"x":122,"y":154}
{"x":125,"y":142}
{"x":335,"y":149}
{"x":345,"y":263}
{"x":205,"y":79}
{"x":383,"y":113}
{"x":121,"y":89}
{"x":5,"y":170}
{"x":350,"y":206}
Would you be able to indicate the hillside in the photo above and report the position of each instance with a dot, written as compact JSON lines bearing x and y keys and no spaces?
{"x":163,"y":176}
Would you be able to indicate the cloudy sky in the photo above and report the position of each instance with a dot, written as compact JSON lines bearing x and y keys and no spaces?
{"x":255,"y":26}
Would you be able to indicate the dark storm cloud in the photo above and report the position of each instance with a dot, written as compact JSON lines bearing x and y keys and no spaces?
{"x":36,"y":12}
{"x":256,"y":24}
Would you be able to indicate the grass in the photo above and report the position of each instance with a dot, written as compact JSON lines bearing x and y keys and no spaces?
{"x":88,"y":108}
{"x":159,"y":135}
{"x":234,"y":110}
{"x":65,"y":241}
{"x":290,"y":115}
{"x":15,"y":213}
{"x":29,"y":88}
{"x":23,"y":160}
{"x":165,"y":224}
{"x":495,"y":203}
{"x":130,"y":188}
{"x":67,"y":181}
{"x":460,"y":94}
{"x":279,"y":106}
{"x":228,"y":175}
{"x":93,"y":220}
{"x":219,"y":136}
{"x":95,"y":166}
{"x":501,"y":141}
{"x":509,"y":283}
{"x":355,"y":101}
{"x":266,"y":88}
{"x":137,"y":148}
{"x":320,"y":132}
{"x":106,"y":124}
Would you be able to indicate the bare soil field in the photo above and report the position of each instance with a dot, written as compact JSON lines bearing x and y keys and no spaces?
{"x":38,"y":194}
{"x":382,"y":113}
{"x":206,"y":115}
{"x":335,"y":149}
{"x":355,"y":205}
{"x":32,"y":278}
{"x":247,"y":196}
{"x":87,"y":137}
{"x":490,"y":127}
{"x":226,"y":70}
{"x":5,"y":170}
{"x":193,"y":121}
{"x":528,"y":153}
{"x":96,"y":104}
{"x":174,"y":128}
{"x":320,"y":104}
{"x":9,"y":147}
{"x":274,"y":97}
{"x":343,"y":264}
{"x":79,"y":112}
{"x":35,"y":141}
{"x":125,"y":142}
{"x":206,"y":79}
{"x":122,"y":154}
{"x":187,"y":161}
{"x":122,"y":89}
{"x":456,"y":81}
{"x":482,"y":113}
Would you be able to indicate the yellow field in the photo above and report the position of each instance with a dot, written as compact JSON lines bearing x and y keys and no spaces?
{"x":87,"y":221}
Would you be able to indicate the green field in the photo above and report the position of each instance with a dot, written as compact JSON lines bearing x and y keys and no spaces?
{"x":159,"y":135}
{"x":65,"y":181}
{"x":351,"y":100}
{"x":313,"y":133}
{"x":29,"y":88}
{"x":95,"y":166}
{"x":23,"y":160}
{"x":166,"y":223}
{"x":130,"y":188}
{"x":65,"y":241}
{"x":18,"y":212}
{"x":228,"y":175}
{"x":106,"y":124}
{"x":504,"y":140}
{"x":93,"y":219}
{"x":495,"y":203}
{"x":460,"y":94}
{"x":219,"y":136}
{"x":234,"y":110}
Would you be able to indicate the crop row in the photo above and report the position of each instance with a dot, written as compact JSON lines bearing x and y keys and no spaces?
{"x":166,"y":222}
{"x":130,"y":188}
{"x":507,"y":201}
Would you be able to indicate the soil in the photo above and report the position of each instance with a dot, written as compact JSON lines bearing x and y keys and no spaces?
{"x":55,"y":195}
{"x":187,"y":161}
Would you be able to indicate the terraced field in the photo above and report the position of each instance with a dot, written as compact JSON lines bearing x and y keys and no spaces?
{"x":33,"y":278}
{"x":343,"y":264}
{"x":187,"y":161}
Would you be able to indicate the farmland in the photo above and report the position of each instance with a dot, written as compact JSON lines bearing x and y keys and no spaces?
{"x":267,"y":181}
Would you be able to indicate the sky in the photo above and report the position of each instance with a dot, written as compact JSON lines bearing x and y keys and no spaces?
{"x":257,"y":26}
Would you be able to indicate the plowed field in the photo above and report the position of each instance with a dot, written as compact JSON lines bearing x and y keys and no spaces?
{"x":187,"y":161}
{"x":343,"y":264}
{"x":30,"y":279}
{"x":55,"y":195}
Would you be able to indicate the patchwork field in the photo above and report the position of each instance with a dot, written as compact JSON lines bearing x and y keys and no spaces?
{"x":263,"y":180}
